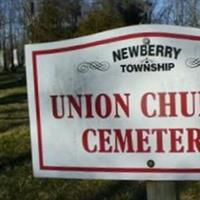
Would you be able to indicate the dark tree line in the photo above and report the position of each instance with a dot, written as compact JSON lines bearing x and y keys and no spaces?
{"x":59,"y":19}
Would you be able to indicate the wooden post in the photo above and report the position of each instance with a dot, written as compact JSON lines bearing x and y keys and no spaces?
{"x":161,"y":190}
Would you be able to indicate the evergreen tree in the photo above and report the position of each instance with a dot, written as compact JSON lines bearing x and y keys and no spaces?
{"x":111,"y":14}
{"x":57,"y":20}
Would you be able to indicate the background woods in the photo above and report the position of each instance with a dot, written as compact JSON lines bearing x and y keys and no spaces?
{"x":34,"y":21}
{"x":30,"y":21}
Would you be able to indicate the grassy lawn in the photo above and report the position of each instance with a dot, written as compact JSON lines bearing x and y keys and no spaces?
{"x":16,"y":180}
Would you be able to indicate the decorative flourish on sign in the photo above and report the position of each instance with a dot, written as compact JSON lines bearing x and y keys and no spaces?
{"x":193,"y":62}
{"x":94,"y":65}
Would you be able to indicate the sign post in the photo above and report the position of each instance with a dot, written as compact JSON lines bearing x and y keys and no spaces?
{"x":162,"y":190}
{"x":121,"y":104}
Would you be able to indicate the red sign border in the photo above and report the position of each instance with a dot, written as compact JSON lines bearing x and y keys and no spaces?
{"x":35,"y":54}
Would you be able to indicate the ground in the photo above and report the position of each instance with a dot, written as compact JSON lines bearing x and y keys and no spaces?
{"x":16,"y":179}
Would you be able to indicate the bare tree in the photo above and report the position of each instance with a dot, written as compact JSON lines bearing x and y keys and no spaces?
{"x":178,"y":12}
{"x":13,"y":28}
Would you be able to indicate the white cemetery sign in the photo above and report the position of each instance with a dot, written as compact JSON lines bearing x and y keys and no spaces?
{"x":121,"y":104}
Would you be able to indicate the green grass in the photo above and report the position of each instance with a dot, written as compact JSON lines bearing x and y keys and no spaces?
{"x":16,"y":179}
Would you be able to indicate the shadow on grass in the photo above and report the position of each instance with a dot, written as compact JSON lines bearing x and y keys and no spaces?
{"x":12,"y":117}
{"x":14,"y":98}
{"x":13,"y":84}
{"x":11,"y":81}
{"x":19,"y":113}
{"x":10,"y":163}
{"x":135,"y":191}
{"x":4,"y":77}
{"x":13,"y":125}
